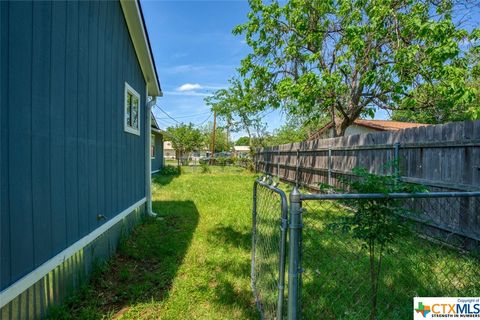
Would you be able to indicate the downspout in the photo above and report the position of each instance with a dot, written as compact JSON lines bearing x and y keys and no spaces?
{"x":148,"y":170}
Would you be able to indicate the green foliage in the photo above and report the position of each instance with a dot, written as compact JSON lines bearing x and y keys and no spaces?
{"x":185,"y":138}
{"x":221,"y":138}
{"x":246,"y":163}
{"x":221,"y":161}
{"x":343,"y":59}
{"x":243,"y":141}
{"x":239,"y":106}
{"x":204,"y":168}
{"x":170,"y":170}
{"x":377,"y":223}
{"x":434,"y":103}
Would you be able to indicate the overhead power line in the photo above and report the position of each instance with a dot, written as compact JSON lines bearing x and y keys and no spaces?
{"x":201,"y":124}
{"x":190,"y":116}
{"x":167,"y":114}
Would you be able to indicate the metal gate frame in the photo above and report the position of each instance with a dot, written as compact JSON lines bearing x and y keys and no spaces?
{"x":290,"y":218}
{"x":267,"y":182}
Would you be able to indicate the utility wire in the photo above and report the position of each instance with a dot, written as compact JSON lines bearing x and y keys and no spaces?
{"x":190,"y":116}
{"x":201,"y":124}
{"x":167,"y":114}
{"x":266,"y":114}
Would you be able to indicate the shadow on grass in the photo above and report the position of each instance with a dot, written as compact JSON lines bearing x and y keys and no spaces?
{"x":163,"y":179}
{"x":230,"y":236}
{"x":336,"y":281}
{"x":226,"y":289}
{"x":143,"y":269}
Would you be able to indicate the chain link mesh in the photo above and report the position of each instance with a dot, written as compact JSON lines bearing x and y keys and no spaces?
{"x":266,"y":250}
{"x":440,"y":256}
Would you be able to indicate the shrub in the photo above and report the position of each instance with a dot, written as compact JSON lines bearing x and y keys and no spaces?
{"x":204,"y":168}
{"x":222,"y":161}
{"x":170,"y":170}
{"x":377,"y":223}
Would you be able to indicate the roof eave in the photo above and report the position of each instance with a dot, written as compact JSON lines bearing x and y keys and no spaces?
{"x":137,"y":29}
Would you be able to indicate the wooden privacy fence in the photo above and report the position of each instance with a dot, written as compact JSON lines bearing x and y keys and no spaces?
{"x":441,"y":157}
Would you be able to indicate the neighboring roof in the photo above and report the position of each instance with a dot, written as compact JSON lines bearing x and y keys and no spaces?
{"x":380,"y":125}
{"x":320,"y":132}
{"x":387,"y":125}
{"x":241,"y":148}
{"x":154,"y":122}
{"x":138,"y":32}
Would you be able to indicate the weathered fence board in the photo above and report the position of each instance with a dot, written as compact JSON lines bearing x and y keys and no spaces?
{"x":442,"y":157}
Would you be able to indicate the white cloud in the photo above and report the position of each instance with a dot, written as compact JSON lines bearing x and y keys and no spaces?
{"x":187,"y":93}
{"x":189,"y":87}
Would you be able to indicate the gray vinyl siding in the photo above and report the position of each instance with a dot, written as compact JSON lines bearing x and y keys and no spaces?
{"x":157,"y":163}
{"x":65,"y":157}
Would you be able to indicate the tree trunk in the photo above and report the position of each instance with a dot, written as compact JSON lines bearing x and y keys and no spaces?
{"x":340,"y":126}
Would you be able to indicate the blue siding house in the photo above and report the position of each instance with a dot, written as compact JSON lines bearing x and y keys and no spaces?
{"x":78,"y":81}
{"x":156,"y":150}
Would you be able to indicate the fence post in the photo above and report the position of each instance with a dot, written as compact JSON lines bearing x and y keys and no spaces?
{"x":256,"y":159}
{"x":281,"y":267}
{"x":278,"y":162}
{"x":297,"y":168}
{"x":329,"y":166}
{"x":294,"y":255}
{"x":396,"y":158}
{"x":254,"y":233}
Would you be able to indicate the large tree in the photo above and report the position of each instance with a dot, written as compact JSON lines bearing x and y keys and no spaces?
{"x":433,"y":100}
{"x":222,"y":142}
{"x":185,"y":138}
{"x":346,"y":58}
{"x":242,"y":141}
{"x":240,"y":106}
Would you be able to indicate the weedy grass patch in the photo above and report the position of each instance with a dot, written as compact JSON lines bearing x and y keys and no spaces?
{"x":191,"y":262}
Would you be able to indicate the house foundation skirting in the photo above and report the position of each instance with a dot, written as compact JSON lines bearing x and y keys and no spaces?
{"x":49,"y":284}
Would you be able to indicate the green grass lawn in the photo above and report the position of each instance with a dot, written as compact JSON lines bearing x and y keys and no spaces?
{"x":193,"y":262}
{"x":336,"y":280}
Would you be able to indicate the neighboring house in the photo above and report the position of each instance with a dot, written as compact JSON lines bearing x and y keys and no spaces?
{"x":365,"y":126}
{"x":197,"y":155}
{"x":168,"y":152}
{"x":75,"y":143}
{"x":156,"y":147}
{"x":241,"y":151}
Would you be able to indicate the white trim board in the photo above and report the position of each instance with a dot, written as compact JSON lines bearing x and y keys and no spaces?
{"x":11,"y":292}
{"x":155,"y":171}
{"x":126,"y":126}
{"x":136,"y":28}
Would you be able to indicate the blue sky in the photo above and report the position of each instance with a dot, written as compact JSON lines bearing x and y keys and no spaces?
{"x":196,"y":53}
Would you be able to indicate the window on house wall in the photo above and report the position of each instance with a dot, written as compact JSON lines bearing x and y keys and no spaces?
{"x":132,"y":110}
{"x":152,"y":146}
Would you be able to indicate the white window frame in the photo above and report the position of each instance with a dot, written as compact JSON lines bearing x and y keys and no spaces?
{"x":152,"y":146}
{"x":126,"y":126}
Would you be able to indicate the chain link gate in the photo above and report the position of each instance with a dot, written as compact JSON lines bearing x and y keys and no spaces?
{"x":269,"y":232}
{"x":329,"y":275}
{"x":430,"y":257}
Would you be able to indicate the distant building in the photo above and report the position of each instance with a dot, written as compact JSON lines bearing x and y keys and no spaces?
{"x":241,"y":151}
{"x":365,"y":126}
{"x":156,"y":147}
{"x":168,"y":151}
{"x":196,"y":155}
